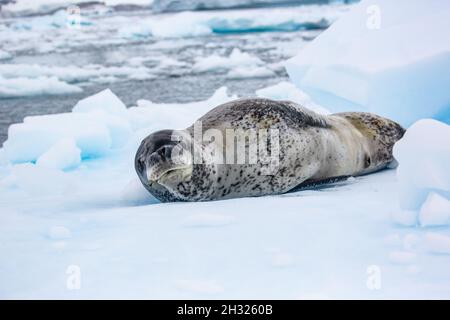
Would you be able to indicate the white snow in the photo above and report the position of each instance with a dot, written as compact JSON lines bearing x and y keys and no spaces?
{"x":387,"y":57}
{"x":208,"y":220}
{"x":40,"y":181}
{"x":200,"y":286}
{"x":98,"y":218}
{"x":405,"y":217}
{"x":423,"y":172}
{"x":134,"y":193}
{"x":105,"y":101}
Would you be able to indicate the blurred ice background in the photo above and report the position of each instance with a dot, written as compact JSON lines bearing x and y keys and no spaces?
{"x":146,"y":51}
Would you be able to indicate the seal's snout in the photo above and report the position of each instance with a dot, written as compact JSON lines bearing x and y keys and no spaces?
{"x":162,"y":161}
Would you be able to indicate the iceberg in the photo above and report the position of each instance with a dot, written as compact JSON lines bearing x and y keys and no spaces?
{"x":387,"y":57}
{"x":423,"y":172}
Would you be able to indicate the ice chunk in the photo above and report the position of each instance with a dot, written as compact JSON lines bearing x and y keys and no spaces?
{"x":287,"y":91}
{"x":20,"y":87}
{"x":27,"y":141}
{"x":105,"y":101}
{"x":435,"y":211}
{"x":62,"y":155}
{"x":237,"y":58}
{"x":250,"y":72}
{"x":424,"y":156}
{"x":97,"y":124}
{"x":387,"y":57}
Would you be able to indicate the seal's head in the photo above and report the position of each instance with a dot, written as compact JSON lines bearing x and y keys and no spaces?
{"x":162,"y":162}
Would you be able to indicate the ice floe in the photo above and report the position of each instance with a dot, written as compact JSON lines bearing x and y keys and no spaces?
{"x":96,"y":217}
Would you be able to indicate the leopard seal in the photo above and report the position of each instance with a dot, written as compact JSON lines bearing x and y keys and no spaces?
{"x":311,"y":148}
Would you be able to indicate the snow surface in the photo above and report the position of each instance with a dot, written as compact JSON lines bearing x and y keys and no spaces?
{"x":423,"y":173}
{"x":98,"y":219}
{"x":386,"y":57}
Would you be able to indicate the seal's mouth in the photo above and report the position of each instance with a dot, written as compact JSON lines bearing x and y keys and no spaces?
{"x":162,"y":176}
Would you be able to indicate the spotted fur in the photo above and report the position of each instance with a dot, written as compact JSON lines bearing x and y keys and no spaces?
{"x":313,"y":148}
